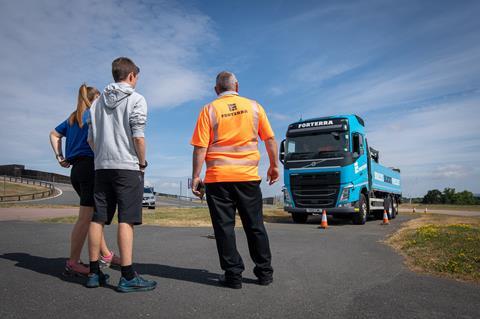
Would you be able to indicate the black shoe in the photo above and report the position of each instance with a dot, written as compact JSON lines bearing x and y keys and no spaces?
{"x":229,"y":283}
{"x":264,"y":281}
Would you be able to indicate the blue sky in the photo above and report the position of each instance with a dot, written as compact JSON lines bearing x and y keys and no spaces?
{"x":411,"y":69}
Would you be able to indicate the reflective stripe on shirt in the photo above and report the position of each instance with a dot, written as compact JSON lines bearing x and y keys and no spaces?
{"x":231,"y":162}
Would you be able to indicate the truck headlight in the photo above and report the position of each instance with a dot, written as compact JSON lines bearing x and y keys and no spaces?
{"x":345,"y":193}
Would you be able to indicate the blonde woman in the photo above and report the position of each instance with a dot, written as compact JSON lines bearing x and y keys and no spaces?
{"x":79,"y":156}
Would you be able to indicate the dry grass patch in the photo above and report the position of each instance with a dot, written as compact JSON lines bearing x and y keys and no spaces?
{"x":182,"y":217}
{"x":10,"y":188}
{"x":448,"y":246}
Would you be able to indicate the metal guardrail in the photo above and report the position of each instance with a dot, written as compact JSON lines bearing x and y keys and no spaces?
{"x":27,"y":196}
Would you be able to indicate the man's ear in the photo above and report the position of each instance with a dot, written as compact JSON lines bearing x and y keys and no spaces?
{"x":236,"y":87}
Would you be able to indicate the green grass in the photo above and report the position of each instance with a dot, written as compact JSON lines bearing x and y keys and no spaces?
{"x":447,"y":249}
{"x":181,"y":217}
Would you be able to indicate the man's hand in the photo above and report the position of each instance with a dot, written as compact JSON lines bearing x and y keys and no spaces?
{"x":273,"y":175}
{"x":199,"y":154}
{"x":272,"y":151}
{"x":196,"y":190}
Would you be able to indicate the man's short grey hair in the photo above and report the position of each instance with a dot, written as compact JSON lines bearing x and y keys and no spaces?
{"x":226,"y":81}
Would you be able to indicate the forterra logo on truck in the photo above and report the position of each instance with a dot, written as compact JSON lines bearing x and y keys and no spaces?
{"x":316,"y":123}
{"x":328,"y":165}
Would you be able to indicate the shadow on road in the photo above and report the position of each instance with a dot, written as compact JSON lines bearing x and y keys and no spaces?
{"x":199,"y":276}
{"x":47,"y":266}
{"x":54,"y":267}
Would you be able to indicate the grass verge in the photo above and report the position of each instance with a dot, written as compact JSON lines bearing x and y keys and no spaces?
{"x":448,"y":246}
{"x":182,"y":217}
{"x":421,"y":207}
{"x":9,"y":188}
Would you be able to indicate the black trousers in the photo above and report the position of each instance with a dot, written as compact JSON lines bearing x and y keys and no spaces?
{"x":224,"y":199}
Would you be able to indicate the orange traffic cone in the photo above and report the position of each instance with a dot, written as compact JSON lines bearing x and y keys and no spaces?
{"x":324,"y":223}
{"x":385,"y":218}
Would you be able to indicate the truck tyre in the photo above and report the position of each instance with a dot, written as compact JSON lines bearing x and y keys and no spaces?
{"x":299,"y":218}
{"x":394,"y":207}
{"x":360,"y":217}
{"x":389,"y":207}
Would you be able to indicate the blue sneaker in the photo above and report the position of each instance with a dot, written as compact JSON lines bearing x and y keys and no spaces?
{"x":136,"y":284}
{"x":96,"y":280}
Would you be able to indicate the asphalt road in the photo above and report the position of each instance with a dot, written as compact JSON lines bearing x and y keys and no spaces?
{"x":67,"y":197}
{"x":342,"y":272}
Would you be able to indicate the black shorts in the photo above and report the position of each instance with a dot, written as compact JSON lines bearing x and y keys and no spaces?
{"x":82,"y":177}
{"x":122,"y":188}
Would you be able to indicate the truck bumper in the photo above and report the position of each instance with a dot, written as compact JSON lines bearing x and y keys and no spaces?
{"x":330,"y":211}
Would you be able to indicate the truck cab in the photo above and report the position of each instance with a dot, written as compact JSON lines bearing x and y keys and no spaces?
{"x":329,"y":166}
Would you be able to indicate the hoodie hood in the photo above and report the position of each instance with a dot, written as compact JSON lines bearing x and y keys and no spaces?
{"x":115,"y":93}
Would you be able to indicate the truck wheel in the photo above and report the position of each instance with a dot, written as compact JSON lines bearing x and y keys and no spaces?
{"x":394,"y":207}
{"x":299,"y":218}
{"x":360,"y":217}
{"x":389,"y":207}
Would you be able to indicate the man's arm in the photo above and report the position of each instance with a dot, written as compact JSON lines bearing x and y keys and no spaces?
{"x":272,"y":150}
{"x":140,"y":148}
{"x":199,"y":154}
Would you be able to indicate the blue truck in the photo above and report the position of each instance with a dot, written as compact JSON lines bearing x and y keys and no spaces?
{"x":328,"y":165}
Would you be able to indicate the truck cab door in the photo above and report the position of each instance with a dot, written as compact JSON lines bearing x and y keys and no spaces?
{"x":369,"y":164}
{"x":360,"y":156}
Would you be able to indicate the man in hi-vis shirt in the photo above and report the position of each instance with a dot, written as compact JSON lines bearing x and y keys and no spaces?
{"x":226,"y":139}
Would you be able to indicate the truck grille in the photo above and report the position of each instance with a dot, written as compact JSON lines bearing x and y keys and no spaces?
{"x":318,"y":190}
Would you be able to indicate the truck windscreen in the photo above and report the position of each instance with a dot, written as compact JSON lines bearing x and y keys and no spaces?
{"x":313,"y":146}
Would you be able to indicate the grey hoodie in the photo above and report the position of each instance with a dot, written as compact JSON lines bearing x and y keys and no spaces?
{"x":116,"y":117}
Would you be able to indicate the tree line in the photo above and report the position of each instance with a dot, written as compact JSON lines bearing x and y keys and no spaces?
{"x":449,"y":196}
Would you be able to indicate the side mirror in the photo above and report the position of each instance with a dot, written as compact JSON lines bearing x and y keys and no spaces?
{"x":281,"y":155}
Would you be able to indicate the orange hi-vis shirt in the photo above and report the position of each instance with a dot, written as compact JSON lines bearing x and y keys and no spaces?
{"x":229,"y":127}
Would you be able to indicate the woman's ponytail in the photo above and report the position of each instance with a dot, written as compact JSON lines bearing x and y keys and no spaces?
{"x":86,"y":95}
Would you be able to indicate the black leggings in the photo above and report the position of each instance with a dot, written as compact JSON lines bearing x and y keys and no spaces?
{"x":82,"y":177}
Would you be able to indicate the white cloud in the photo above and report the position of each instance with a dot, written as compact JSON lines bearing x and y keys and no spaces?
{"x":49,"y":49}
{"x":322,"y":69}
{"x":435,"y":147}
{"x":451,"y":171}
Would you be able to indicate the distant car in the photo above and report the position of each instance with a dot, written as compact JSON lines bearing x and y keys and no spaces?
{"x":148,"y":198}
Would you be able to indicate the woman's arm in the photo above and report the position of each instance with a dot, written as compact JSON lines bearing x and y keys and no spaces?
{"x":56,"y":142}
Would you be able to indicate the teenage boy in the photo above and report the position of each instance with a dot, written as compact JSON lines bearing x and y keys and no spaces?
{"x":116,"y":134}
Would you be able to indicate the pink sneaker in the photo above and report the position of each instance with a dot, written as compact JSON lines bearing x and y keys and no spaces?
{"x":107,"y":261}
{"x":76,"y":268}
